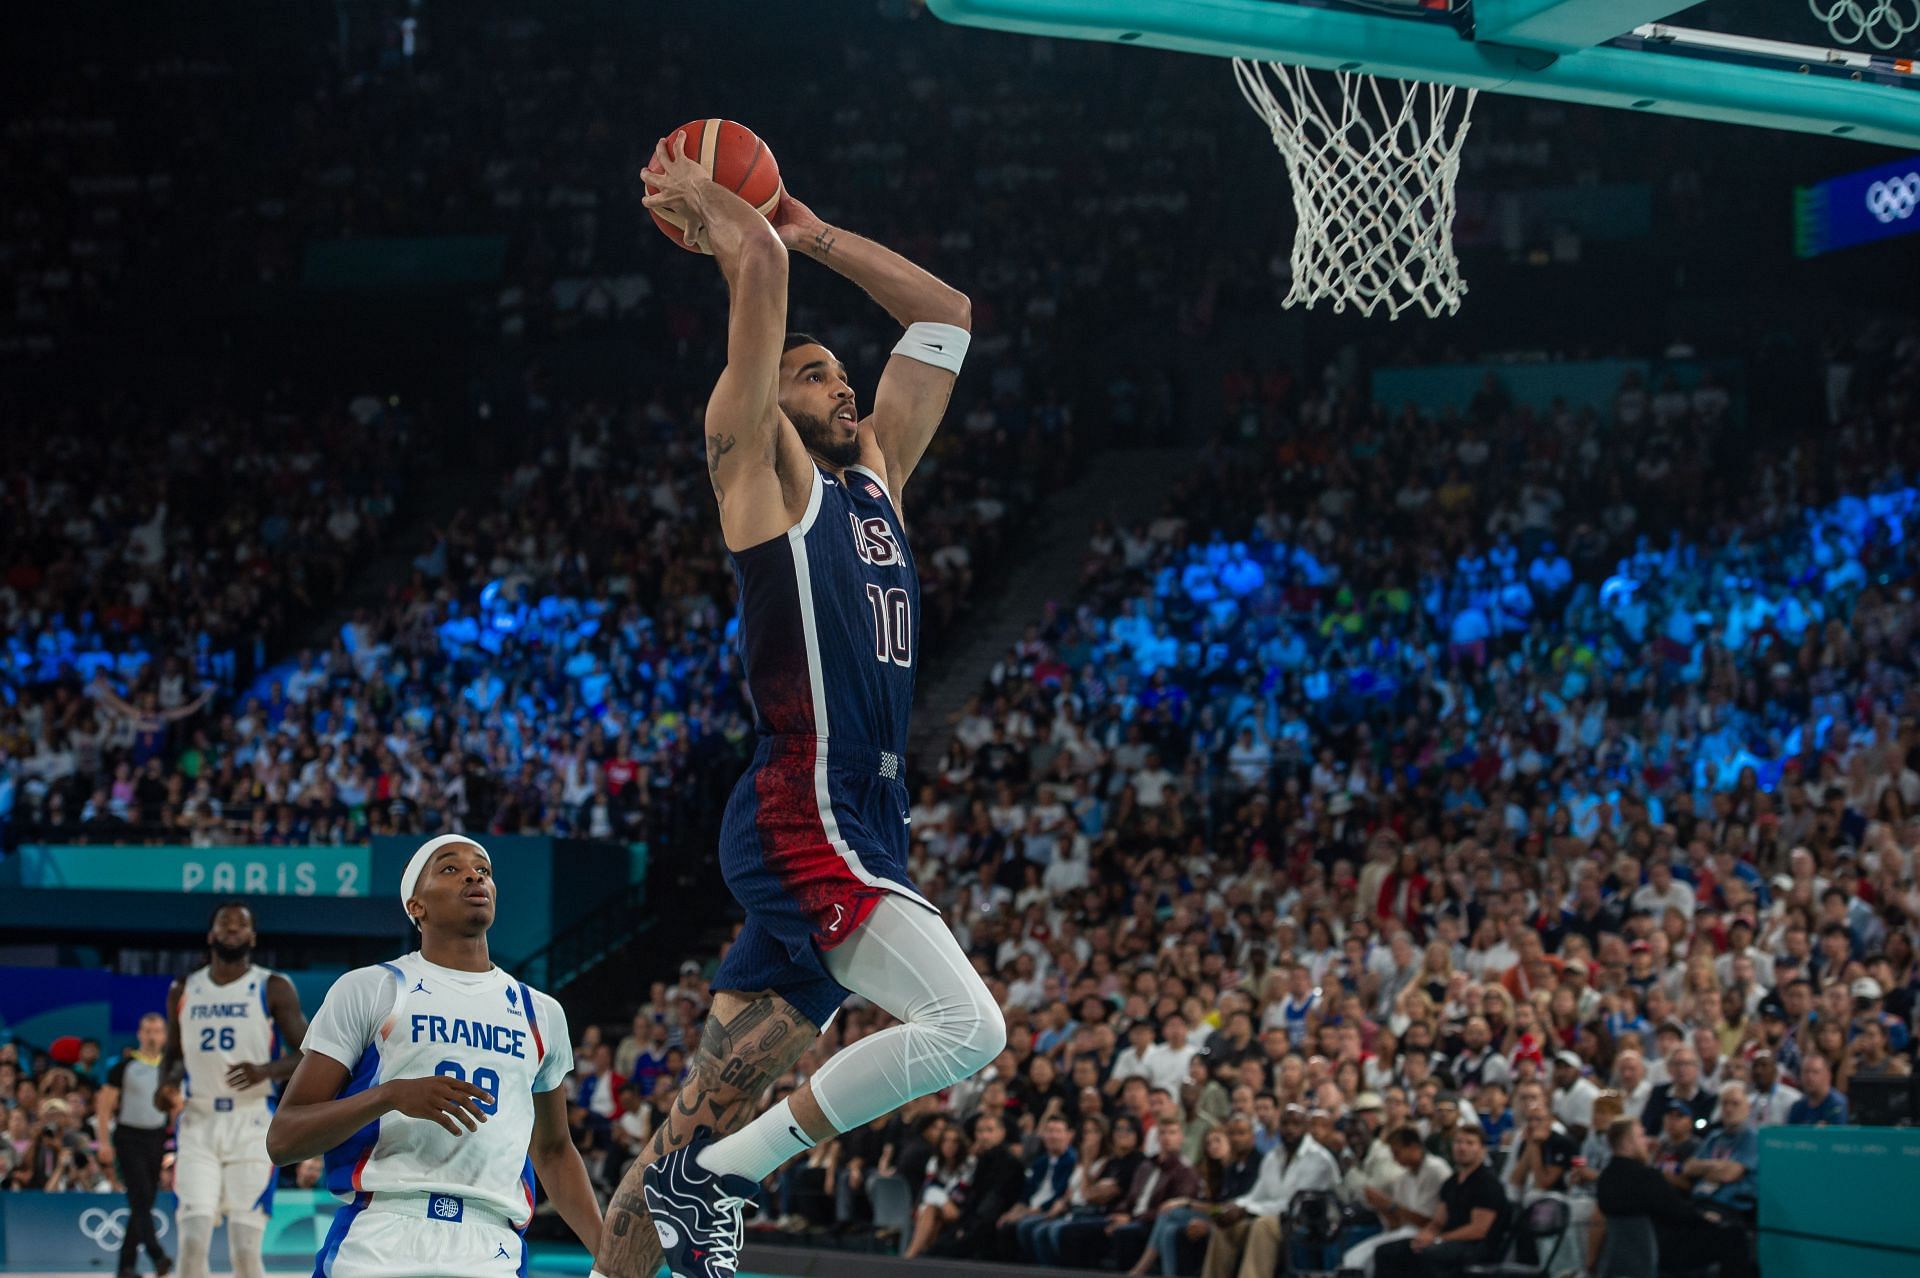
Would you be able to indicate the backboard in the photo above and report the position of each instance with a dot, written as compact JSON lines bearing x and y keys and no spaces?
{"x":1799,"y":71}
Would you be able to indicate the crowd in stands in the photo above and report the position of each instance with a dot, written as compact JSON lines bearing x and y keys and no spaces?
{"x":1444,"y":811}
{"x":1535,"y":790}
{"x":560,"y":650}
{"x":554,"y":661}
{"x":154,"y":562}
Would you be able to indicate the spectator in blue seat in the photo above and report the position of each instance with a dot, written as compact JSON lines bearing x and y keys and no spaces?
{"x":1048,"y":1176}
{"x":1095,"y":1194}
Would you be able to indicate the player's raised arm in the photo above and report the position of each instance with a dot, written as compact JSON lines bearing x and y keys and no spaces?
{"x":743,"y":416}
{"x":914,"y":389}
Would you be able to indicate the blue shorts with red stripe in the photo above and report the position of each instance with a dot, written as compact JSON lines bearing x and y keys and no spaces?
{"x":808,"y":849}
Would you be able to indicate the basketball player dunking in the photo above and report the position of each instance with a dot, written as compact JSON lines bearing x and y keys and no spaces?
{"x":431,"y":1085}
{"x":233,"y":1030}
{"x":814,"y":842}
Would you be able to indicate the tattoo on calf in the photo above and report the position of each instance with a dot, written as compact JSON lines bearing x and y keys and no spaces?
{"x":736,"y":1062}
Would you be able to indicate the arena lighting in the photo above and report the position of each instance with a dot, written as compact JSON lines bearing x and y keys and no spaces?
{"x":1857,"y":208}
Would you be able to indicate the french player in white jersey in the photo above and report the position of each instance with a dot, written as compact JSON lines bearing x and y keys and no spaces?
{"x":233,"y":1031}
{"x":432,"y":1087}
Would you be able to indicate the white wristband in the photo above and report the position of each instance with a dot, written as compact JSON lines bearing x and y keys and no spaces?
{"x":941,"y":345}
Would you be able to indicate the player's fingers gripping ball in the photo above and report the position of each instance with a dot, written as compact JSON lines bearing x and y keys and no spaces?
{"x":732,"y":155}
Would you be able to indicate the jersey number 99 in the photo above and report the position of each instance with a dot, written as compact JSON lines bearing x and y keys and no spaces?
{"x":483,"y":1078}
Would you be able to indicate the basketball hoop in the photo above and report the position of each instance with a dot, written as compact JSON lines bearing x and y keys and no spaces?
{"x":1373,"y":173}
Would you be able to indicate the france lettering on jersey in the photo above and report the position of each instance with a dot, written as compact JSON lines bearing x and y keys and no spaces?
{"x":222,"y":1026}
{"x":414,"y":1019}
{"x":830,"y":618}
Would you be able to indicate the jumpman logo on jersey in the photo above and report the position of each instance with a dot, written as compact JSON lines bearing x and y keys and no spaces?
{"x":502,"y":1253}
{"x":420,"y":987}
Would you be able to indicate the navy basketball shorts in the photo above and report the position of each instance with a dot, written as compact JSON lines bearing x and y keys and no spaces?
{"x":809,"y":846}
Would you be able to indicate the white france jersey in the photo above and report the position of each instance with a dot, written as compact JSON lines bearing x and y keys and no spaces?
{"x":415,"y":1019}
{"x":222,"y":1026}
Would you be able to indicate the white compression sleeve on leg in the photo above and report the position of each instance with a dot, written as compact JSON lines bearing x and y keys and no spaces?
{"x":904,"y":961}
{"x":196,"y":1240}
{"x":243,"y":1245}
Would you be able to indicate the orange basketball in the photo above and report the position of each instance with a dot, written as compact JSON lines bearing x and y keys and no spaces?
{"x":738,"y":160}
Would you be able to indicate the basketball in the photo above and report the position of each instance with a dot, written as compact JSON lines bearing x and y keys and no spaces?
{"x":738,"y":160}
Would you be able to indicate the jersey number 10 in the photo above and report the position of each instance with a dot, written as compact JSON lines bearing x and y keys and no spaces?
{"x":892,"y":624}
{"x":483,"y":1078}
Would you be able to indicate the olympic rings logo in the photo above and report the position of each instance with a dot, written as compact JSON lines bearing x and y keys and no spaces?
{"x":1895,"y":199}
{"x":109,"y":1228}
{"x":1882,"y":23}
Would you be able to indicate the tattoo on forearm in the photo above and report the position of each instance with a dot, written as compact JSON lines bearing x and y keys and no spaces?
{"x":823,"y":240}
{"x":738,"y":1058}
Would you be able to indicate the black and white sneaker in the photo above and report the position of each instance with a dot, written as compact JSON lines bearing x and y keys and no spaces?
{"x":699,"y":1215}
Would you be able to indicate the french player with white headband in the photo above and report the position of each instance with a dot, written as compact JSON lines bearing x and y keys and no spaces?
{"x":432,"y":1088}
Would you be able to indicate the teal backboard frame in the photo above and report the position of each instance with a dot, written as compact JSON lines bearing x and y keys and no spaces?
{"x":1609,"y":53}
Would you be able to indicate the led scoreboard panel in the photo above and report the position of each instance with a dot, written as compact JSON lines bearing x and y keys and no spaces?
{"x":1857,"y":208}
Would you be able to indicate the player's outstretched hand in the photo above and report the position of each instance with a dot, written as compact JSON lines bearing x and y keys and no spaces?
{"x":794,"y":221}
{"x":441,"y":1100}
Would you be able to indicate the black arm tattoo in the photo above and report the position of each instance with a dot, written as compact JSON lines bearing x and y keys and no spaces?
{"x":747,"y":1044}
{"x":718,"y":446}
{"x":823,"y":240}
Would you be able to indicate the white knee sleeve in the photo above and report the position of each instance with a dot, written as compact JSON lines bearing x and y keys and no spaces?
{"x":243,"y":1245}
{"x":196,"y":1240}
{"x":905,"y":961}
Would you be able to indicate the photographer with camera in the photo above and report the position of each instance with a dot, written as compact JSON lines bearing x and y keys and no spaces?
{"x":57,"y":1157}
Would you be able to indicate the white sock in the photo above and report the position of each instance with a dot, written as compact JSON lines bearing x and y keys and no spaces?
{"x":759,"y":1147}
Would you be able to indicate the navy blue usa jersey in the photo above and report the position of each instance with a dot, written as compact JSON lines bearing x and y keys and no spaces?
{"x":830,"y":619}
{"x":815,"y":832}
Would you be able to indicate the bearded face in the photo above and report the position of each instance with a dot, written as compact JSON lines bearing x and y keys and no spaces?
{"x":825,"y":438}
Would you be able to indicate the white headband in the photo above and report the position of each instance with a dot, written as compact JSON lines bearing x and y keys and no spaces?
{"x":418,"y":865}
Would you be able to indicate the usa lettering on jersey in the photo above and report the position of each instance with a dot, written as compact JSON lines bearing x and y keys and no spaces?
{"x":873,"y":540}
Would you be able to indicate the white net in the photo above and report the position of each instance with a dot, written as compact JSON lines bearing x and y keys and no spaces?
{"x":1372,"y":165}
{"x":1881,"y":23}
